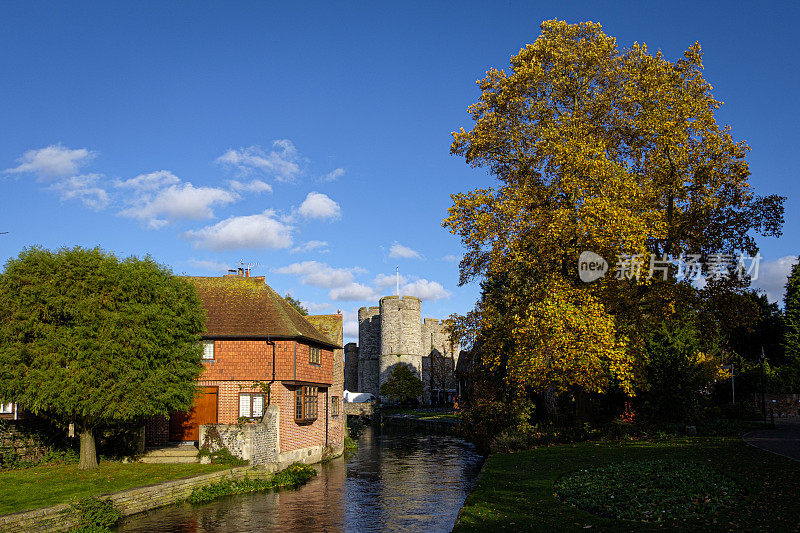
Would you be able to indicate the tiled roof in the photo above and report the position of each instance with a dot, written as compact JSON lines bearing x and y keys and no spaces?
{"x":330,"y":325}
{"x":238,"y":306}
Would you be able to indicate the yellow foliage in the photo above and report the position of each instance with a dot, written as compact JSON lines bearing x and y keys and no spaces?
{"x":601,"y":149}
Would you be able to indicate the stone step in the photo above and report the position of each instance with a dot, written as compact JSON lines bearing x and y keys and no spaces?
{"x":171,"y":454}
{"x":170,"y":459}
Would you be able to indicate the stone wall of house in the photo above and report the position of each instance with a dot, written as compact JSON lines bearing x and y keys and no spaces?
{"x":257,"y":443}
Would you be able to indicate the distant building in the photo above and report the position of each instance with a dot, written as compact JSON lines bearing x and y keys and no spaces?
{"x":394,"y":333}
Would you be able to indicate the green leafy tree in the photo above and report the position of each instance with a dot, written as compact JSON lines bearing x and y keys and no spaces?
{"x":297,"y":304}
{"x":89,"y":339}
{"x":402,"y":385}
{"x":679,"y":366}
{"x":791,"y":302}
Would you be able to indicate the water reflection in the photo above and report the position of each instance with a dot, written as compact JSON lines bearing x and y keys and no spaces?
{"x":393,"y":483}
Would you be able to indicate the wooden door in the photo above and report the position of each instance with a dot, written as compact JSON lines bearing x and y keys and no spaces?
{"x":185,"y":426}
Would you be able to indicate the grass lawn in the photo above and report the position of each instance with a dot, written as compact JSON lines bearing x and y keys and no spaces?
{"x":516,"y":490}
{"x":42,"y":486}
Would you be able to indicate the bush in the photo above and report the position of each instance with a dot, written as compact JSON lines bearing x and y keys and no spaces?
{"x":223,"y":456}
{"x":96,"y":515}
{"x":294,"y":475}
{"x":402,"y":385}
{"x":514,"y":439}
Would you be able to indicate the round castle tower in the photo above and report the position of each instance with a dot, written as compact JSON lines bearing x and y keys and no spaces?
{"x":400,"y":334}
{"x":369,"y":349}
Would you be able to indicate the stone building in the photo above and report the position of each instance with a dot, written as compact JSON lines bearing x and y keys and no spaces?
{"x":394,"y":333}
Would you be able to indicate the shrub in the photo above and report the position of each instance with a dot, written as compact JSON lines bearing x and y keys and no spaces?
{"x":96,"y":515}
{"x":223,"y":456}
{"x":294,"y":475}
{"x":402,"y":385}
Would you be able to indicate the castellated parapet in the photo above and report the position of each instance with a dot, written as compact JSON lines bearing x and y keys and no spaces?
{"x":394,"y":333}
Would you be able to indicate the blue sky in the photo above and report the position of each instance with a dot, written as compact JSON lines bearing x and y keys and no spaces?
{"x":314,"y":140}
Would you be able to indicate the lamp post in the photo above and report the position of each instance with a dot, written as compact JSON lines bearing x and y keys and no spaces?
{"x":733,"y":382}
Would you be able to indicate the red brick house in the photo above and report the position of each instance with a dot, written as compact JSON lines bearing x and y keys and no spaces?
{"x":252,"y":334}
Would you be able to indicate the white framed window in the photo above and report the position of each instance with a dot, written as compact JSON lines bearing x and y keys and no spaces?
{"x":208,"y":350}
{"x":6,"y":408}
{"x":251,"y":405}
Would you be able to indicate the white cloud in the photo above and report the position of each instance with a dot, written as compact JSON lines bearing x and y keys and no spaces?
{"x":333,"y":175}
{"x":314,"y":307}
{"x":320,"y":274}
{"x":54,"y":161}
{"x":353,"y":292}
{"x":772,"y":276}
{"x":244,"y":232}
{"x":350,"y":329}
{"x":318,"y":205}
{"x":149,"y":182}
{"x":382,"y":281}
{"x":398,"y":250}
{"x":205,"y":264}
{"x":310,"y":246}
{"x":177,"y":202}
{"x":283,"y":162}
{"x":350,"y":324}
{"x":451,"y":258}
{"x":84,"y":188}
{"x":251,"y":186}
{"x":425,"y":290}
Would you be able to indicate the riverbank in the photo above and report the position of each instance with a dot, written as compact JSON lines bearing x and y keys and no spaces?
{"x":515,"y":490}
{"x":144,"y":497}
{"x":43,"y":486}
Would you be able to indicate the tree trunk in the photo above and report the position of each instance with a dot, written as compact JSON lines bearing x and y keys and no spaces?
{"x":88,"y":451}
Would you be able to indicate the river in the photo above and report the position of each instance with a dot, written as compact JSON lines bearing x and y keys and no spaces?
{"x":394,"y":482}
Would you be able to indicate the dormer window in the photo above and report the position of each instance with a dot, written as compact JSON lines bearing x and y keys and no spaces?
{"x":208,"y":350}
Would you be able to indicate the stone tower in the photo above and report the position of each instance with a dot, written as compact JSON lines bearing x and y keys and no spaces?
{"x":369,"y":349}
{"x":351,"y":366}
{"x":401,"y":334}
{"x":394,"y":333}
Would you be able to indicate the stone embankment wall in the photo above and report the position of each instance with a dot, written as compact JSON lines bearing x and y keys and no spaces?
{"x":366,"y":409}
{"x":407,"y":423}
{"x":62,"y":517}
{"x":257,"y":443}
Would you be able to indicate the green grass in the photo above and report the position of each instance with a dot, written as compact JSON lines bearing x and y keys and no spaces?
{"x":516,"y":490}
{"x":43,"y":486}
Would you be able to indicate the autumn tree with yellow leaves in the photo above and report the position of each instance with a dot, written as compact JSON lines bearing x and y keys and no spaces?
{"x":615,"y":151}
